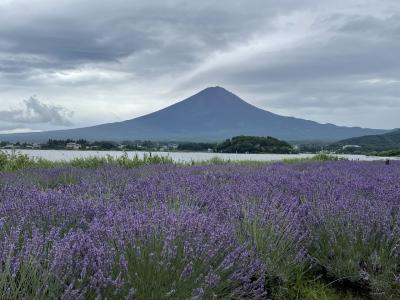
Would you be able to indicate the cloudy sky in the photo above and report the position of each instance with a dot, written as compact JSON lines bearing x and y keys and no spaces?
{"x":72,"y":63}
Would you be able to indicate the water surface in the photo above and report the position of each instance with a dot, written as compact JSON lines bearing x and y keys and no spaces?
{"x":57,"y":155}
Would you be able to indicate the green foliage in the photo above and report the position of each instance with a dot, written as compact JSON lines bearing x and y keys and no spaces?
{"x":17,"y":161}
{"x":287,"y":278}
{"x":56,"y":144}
{"x":360,"y":261}
{"x":123,"y":160}
{"x":368,"y":143}
{"x":172,"y":280}
{"x":317,"y":157}
{"x":387,"y":153}
{"x":212,"y":161}
{"x":32,"y":281}
{"x":312,"y":147}
{"x":147,"y":159}
{"x":326,"y":157}
{"x":195,"y":146}
{"x":254,"y":144}
{"x":311,"y":289}
{"x":14,"y":161}
{"x":277,"y":252}
{"x":104,"y":145}
{"x":63,"y":179}
{"x":220,"y":161}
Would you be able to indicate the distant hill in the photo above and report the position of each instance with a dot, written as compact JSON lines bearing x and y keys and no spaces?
{"x":379,"y":142}
{"x":213,"y":114}
{"x":254,"y":144}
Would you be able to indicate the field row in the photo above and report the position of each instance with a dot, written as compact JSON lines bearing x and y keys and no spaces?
{"x":313,"y":230}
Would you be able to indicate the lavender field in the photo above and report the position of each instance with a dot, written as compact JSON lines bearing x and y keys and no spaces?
{"x":313,"y":230}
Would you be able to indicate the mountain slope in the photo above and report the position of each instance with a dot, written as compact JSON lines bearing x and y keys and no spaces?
{"x":390,"y":140}
{"x":213,"y":114}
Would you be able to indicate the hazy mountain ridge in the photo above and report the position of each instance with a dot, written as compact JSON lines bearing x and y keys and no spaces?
{"x":213,"y":114}
{"x":390,"y":140}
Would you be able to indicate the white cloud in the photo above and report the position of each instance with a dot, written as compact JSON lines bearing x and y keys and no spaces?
{"x":33,"y":111}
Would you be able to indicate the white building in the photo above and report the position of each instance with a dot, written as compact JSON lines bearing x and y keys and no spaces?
{"x":73,"y":146}
{"x":350,"y":146}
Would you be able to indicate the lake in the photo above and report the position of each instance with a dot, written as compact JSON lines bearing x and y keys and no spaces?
{"x":57,"y":155}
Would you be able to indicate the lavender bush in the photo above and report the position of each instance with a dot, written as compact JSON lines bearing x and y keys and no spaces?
{"x":201,"y":232}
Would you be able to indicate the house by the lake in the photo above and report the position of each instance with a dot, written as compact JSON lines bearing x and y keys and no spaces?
{"x":350,"y":146}
{"x":73,"y":146}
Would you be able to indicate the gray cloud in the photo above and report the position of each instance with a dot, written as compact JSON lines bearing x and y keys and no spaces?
{"x":349,"y":62}
{"x":33,"y":111}
{"x":156,"y":36}
{"x":303,"y":58}
{"x":71,"y":36}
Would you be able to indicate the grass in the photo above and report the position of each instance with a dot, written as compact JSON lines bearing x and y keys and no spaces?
{"x":15,"y":161}
{"x":317,"y":157}
{"x":334,"y":270}
{"x":389,"y":153}
{"x":30,"y":282}
{"x":277,"y":252}
{"x":287,"y":278}
{"x":175,"y":280}
{"x":358,"y":261}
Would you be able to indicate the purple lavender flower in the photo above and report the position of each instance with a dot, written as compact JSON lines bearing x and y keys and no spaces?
{"x":227,"y":230}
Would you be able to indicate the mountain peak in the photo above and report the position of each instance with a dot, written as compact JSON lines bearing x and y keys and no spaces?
{"x":214,"y":91}
{"x":215,"y":95}
{"x":215,"y":88}
{"x":213,"y":114}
